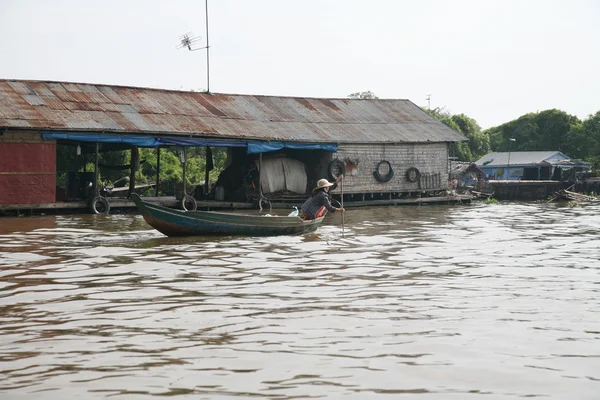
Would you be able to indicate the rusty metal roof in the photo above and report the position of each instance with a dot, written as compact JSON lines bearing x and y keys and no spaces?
{"x":83,"y":107}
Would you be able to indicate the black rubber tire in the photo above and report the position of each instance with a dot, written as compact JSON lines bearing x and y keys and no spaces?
{"x":383,"y":178}
{"x":336,"y":168}
{"x":412,"y":174}
{"x":187,"y":199}
{"x":99,"y":205}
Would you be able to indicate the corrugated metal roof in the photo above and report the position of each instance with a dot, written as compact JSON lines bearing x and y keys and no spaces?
{"x":520,"y":158}
{"x":87,"y":107}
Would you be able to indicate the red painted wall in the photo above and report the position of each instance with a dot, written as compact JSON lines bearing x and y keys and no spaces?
{"x":27,"y":173}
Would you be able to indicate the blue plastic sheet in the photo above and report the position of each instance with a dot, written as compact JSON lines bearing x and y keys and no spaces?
{"x":140,"y":141}
{"x":201,"y":142}
{"x":151,"y":141}
{"x":264,"y":147}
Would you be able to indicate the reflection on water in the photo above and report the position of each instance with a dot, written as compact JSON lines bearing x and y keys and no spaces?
{"x":436,"y":302}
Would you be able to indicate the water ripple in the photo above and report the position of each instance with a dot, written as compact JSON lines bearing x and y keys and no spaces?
{"x":437,"y":302}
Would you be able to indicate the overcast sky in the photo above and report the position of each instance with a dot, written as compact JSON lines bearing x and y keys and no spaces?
{"x":493,"y":60}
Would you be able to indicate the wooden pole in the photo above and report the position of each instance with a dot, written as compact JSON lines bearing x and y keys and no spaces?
{"x":133,"y":164}
{"x":206,"y":171}
{"x":259,"y":180}
{"x":207,"y":50}
{"x":184,"y":171}
{"x":157,"y":169}
{"x":342,"y":202}
{"x":96,"y":188}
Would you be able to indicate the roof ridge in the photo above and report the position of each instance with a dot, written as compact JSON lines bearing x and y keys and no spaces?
{"x":193,"y":91}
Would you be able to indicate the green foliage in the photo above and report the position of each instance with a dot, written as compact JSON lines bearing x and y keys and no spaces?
{"x":491,"y":201}
{"x":551,"y":130}
{"x":171,"y":169}
{"x":363,"y":95}
{"x":479,"y":142}
{"x":583,"y":141}
{"x":547,"y":130}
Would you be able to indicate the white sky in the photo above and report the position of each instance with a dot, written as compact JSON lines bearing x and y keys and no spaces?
{"x":493,"y":60}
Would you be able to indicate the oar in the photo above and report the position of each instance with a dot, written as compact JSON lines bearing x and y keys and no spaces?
{"x":342,"y":188}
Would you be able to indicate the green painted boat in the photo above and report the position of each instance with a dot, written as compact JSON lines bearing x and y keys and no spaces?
{"x":173,"y":222}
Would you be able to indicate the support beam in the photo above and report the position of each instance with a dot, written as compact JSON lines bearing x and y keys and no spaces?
{"x":259,"y":173}
{"x":184,"y":171}
{"x":206,"y":173}
{"x":135,"y":156}
{"x":157,"y":169}
{"x":96,"y":188}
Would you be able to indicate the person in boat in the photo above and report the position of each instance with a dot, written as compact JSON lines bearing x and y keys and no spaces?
{"x":320,"y":201}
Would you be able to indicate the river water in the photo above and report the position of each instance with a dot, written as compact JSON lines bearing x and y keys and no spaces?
{"x":433,"y":302}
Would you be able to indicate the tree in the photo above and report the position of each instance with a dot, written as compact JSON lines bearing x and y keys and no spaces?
{"x":546,"y":130}
{"x":583,"y":141}
{"x":363,"y":95}
{"x":554,"y":126}
{"x":479,"y":142}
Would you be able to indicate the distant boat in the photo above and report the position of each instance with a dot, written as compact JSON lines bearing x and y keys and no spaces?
{"x":173,"y":222}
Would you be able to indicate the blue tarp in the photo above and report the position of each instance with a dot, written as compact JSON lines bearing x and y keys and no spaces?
{"x":264,"y":147}
{"x":201,"y":142}
{"x":141,"y":141}
{"x":150,"y":141}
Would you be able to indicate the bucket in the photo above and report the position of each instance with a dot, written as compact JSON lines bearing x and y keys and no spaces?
{"x":220,"y":193}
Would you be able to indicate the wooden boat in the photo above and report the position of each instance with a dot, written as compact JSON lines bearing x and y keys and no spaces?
{"x":173,"y":222}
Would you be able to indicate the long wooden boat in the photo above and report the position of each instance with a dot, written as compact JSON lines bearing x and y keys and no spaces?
{"x":173,"y":222}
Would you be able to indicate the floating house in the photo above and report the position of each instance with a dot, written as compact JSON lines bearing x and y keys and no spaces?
{"x":389,"y":151}
{"x":530,"y":175}
{"x":530,"y":165}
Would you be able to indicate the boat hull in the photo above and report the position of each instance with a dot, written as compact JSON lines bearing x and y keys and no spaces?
{"x":172,"y":222}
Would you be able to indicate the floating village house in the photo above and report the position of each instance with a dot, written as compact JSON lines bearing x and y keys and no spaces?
{"x":389,"y":150}
{"x":530,"y":165}
{"x":530,"y":175}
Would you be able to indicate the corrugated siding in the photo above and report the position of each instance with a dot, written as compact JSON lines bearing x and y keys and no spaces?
{"x":87,"y":107}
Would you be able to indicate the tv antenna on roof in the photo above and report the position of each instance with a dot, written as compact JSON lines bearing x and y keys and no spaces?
{"x":190,"y":41}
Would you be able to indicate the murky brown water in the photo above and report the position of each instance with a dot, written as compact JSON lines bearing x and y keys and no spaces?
{"x":436,"y":302}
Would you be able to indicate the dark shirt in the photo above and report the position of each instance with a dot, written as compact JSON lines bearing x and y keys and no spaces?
{"x":312,"y":205}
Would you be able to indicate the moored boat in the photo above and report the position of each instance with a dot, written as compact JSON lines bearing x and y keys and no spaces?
{"x":173,"y":222}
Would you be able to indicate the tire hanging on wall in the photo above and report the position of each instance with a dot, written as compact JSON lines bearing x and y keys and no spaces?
{"x":412,"y":174}
{"x":99,"y":205}
{"x":188,"y":203}
{"x":336,"y":168}
{"x":379,"y":176}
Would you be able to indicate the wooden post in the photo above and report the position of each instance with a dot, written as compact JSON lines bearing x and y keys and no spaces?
{"x":184,"y":171}
{"x":259,"y":174}
{"x":342,"y":202}
{"x":206,"y":173}
{"x":96,"y":189}
{"x":157,"y":169}
{"x":134,"y":161}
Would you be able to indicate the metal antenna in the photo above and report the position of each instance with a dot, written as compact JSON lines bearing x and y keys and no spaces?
{"x":428,"y":98}
{"x":207,"y":50}
{"x":189,"y":40}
